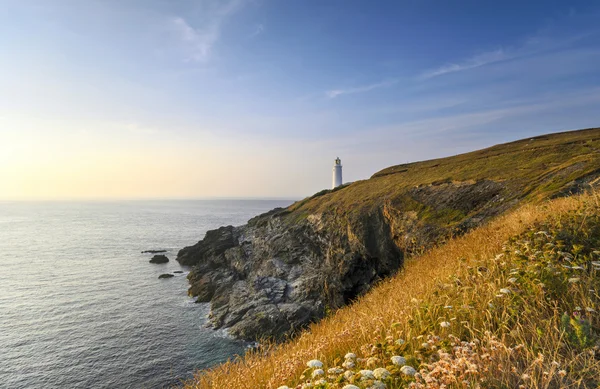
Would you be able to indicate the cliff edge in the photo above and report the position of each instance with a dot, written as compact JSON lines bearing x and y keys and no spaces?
{"x":289,"y":267}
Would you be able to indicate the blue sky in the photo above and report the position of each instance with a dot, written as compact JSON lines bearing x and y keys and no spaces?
{"x":252,"y":98}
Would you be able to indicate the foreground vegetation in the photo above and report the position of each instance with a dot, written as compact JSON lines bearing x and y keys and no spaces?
{"x":511,"y":304}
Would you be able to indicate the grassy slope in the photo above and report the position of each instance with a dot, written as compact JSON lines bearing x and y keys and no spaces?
{"x":534,"y":168}
{"x":519,"y":338}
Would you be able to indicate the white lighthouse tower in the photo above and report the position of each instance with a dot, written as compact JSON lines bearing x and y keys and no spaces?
{"x":337,"y":173}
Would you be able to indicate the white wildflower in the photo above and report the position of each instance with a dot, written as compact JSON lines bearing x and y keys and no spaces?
{"x":348,"y":374}
{"x":525,"y":377}
{"x":350,"y":356}
{"x":348,"y":365}
{"x":314,"y":363}
{"x":350,"y":387}
{"x":284,"y":387}
{"x":573,"y":280}
{"x":335,"y":371}
{"x":505,"y":291}
{"x":590,"y":309}
{"x":367,"y":374}
{"x":317,"y":373}
{"x":408,"y":370}
{"x":400,"y":342}
{"x":448,"y":307}
{"x":444,"y":324}
{"x":512,"y":280}
{"x":398,"y":360}
{"x":577,"y":267}
{"x":381,"y":373}
{"x":322,"y":381}
{"x":377,"y":385}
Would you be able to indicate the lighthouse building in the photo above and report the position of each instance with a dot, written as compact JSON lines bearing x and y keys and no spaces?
{"x":337,"y":173}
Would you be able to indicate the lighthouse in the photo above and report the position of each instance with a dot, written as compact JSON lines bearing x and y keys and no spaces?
{"x":337,"y":173}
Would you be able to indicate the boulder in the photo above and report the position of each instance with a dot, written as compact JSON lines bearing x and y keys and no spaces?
{"x":166,"y":275}
{"x":160,"y":258}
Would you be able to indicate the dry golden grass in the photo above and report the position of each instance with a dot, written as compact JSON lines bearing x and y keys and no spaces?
{"x":397,"y":303}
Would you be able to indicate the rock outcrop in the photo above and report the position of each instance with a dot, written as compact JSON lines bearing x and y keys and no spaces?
{"x":166,"y":275}
{"x":273,"y":276}
{"x":159,"y":258}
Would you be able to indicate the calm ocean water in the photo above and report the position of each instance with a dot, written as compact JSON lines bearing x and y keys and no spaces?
{"x":81,"y":307}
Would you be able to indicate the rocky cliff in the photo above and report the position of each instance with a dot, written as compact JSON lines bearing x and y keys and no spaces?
{"x":289,"y":267}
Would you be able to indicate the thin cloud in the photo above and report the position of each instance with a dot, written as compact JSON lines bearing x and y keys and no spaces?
{"x":471,"y":63}
{"x":533,"y":45}
{"x":361,"y":89}
{"x":198,"y":42}
{"x":259,"y":29}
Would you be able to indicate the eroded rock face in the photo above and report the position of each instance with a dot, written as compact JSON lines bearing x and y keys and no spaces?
{"x":273,"y":276}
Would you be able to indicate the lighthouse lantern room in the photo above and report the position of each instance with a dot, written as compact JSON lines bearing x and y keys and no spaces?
{"x":337,"y":173}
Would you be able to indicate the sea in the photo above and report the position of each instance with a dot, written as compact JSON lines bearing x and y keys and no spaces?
{"x":81,"y":306}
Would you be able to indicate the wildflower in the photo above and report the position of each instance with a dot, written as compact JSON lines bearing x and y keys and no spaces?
{"x":562,"y":373}
{"x":317,"y":373}
{"x":588,"y":309}
{"x":525,"y":377}
{"x":505,"y":291}
{"x":367,"y":374}
{"x":444,"y":324}
{"x":284,"y":387}
{"x":512,"y":280}
{"x":350,"y":356}
{"x":348,"y":374}
{"x":372,"y":362}
{"x":377,"y":385}
{"x":314,"y":363}
{"x":408,"y":370}
{"x":398,"y":360}
{"x":321,"y":382}
{"x":577,"y":267}
{"x":381,"y":373}
{"x":335,"y":371}
{"x":573,"y":280}
{"x":348,"y":364}
{"x":400,"y":342}
{"x":350,"y":387}
{"x":448,"y":307}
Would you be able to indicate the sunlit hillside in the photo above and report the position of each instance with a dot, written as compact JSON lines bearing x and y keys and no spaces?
{"x":511,"y":304}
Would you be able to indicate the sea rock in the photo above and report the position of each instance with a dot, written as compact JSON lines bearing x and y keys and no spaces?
{"x":166,"y":275}
{"x":153,"y":251}
{"x":178,"y":271}
{"x":160,"y":258}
